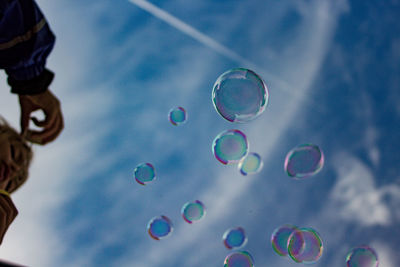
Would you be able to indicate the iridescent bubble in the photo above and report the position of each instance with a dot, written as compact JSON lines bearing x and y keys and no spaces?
{"x":250,"y":164}
{"x":230,"y":146}
{"x":234,"y":238}
{"x":363,"y":256}
{"x":239,"y":259}
{"x":240,"y":95}
{"x":159,"y":227}
{"x":280,"y":237}
{"x":305,"y":245}
{"x":144,"y":173}
{"x":177,"y":116}
{"x":193,"y":211}
{"x":304,"y":160}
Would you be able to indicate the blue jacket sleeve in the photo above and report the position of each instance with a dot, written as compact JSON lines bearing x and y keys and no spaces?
{"x":25,"y":42}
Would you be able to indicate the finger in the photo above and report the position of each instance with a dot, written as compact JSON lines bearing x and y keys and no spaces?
{"x":38,"y":122}
{"x":25,"y":112}
{"x":48,"y":134}
{"x":51,"y":114}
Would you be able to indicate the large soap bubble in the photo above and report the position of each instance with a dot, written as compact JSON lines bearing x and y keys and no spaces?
{"x":363,"y":256}
{"x":305,"y":245}
{"x":280,"y":237}
{"x":193,"y":211}
{"x":159,"y":227}
{"x":239,"y":259}
{"x":303,"y":161}
{"x":234,"y":238}
{"x":230,"y":146}
{"x":240,"y":95}
{"x":144,"y":173}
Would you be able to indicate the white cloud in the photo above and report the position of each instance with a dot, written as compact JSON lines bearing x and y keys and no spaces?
{"x":357,"y":199}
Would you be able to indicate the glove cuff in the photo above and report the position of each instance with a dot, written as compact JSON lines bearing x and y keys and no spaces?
{"x":34,"y":86}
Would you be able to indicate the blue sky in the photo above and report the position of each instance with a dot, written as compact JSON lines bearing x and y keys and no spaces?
{"x":333,"y":76}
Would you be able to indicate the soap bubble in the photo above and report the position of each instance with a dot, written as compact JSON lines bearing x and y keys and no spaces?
{"x":230,"y":146}
{"x":363,"y":256}
{"x":144,"y":173}
{"x":159,"y":227}
{"x":193,"y":211}
{"x":177,"y":116}
{"x":280,"y":237}
{"x":239,"y":259}
{"x":234,"y":238}
{"x":250,"y":164}
{"x":304,"y":160}
{"x":239,"y":95}
{"x":305,"y":245}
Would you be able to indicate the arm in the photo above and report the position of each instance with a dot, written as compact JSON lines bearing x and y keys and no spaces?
{"x":25,"y":43}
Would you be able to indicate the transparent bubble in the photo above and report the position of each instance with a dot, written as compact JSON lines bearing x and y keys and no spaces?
{"x":280,"y":237}
{"x":144,"y":173}
{"x":193,"y":211}
{"x":230,"y":146}
{"x":303,"y":161}
{"x":234,"y":238}
{"x":305,"y":245}
{"x":239,"y":95}
{"x":239,"y":259}
{"x":177,"y":116}
{"x":250,"y":164}
{"x":159,"y":227}
{"x":363,"y":256}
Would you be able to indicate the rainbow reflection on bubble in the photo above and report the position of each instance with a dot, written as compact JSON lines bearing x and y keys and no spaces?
{"x":193,"y":211}
{"x":240,"y":95}
{"x":230,"y":146}
{"x":144,"y":173}
{"x":239,"y":259}
{"x":305,"y":245}
{"x":363,"y":256}
{"x":303,"y":161}
{"x":177,"y":116}
{"x":280,"y":237}
{"x":250,"y":164}
{"x":159,"y":227}
{"x":234,"y":238}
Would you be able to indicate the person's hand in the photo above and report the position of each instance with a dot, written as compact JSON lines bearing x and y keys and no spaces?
{"x":52,"y":124}
{"x":8,"y":212}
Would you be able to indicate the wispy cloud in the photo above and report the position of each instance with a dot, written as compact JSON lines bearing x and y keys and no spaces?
{"x":357,"y":199}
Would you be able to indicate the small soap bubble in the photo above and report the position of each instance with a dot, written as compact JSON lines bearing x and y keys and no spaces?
{"x":363,"y":256}
{"x":159,"y":227}
{"x":230,"y":146}
{"x":144,"y":173}
{"x":280,"y":237}
{"x":177,"y":116}
{"x":193,"y":211}
{"x":250,"y":164}
{"x":303,"y":161}
{"x":240,"y":95}
{"x":305,"y":245}
{"x":234,"y":238}
{"x":239,"y":259}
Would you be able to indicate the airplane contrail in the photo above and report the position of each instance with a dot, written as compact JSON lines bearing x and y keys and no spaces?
{"x":189,"y":30}
{"x":216,"y":46}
